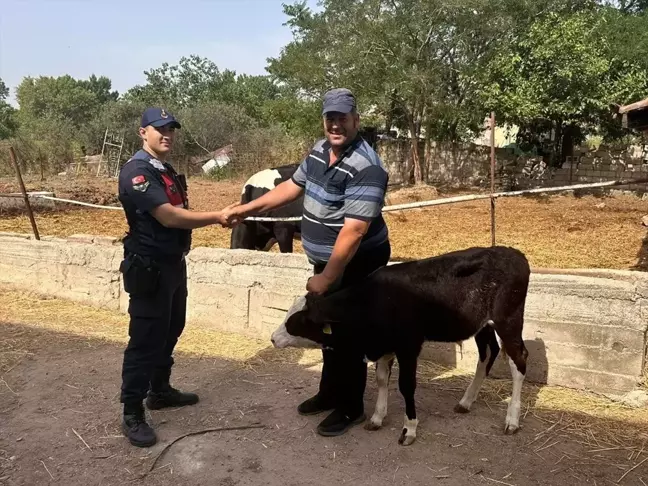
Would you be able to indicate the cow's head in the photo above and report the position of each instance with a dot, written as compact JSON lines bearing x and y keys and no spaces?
{"x":303,"y":326}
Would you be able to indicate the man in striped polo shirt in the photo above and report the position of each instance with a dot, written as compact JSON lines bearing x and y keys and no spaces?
{"x":343,"y":235}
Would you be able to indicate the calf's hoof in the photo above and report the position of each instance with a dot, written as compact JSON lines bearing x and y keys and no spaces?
{"x":405,"y":439}
{"x":510,"y":429}
{"x":371,"y":425}
{"x":459,"y":408}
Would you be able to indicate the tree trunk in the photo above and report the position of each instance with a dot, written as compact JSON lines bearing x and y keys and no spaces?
{"x":416,"y":160}
{"x":427,"y":157}
{"x":557,"y":144}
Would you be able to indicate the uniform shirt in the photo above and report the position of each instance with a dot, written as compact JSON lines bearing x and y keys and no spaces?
{"x":144,"y":184}
{"x":353,"y":187}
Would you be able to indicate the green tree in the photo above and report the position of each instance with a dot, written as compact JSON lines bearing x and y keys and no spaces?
{"x":55,"y":115}
{"x":179,"y":85}
{"x":101,"y":87}
{"x":561,"y":76}
{"x":8,"y":123}
{"x":60,"y":97}
{"x":197,"y":80}
{"x":418,"y":63}
{"x":209,"y":126}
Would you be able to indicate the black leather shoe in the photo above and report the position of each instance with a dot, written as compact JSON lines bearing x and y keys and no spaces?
{"x":169,"y":397}
{"x":313,"y":406}
{"x":135,"y":428}
{"x":337,"y":423}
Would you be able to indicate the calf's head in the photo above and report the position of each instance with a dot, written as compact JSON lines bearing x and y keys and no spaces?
{"x":303,"y":326}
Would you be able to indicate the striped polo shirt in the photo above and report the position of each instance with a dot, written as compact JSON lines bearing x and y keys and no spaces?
{"x":353,"y":187}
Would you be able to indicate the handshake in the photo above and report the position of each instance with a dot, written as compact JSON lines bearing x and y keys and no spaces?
{"x":230,"y":216}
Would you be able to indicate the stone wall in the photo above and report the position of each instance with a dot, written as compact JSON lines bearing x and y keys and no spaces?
{"x":583,"y":329}
{"x":469,"y":166}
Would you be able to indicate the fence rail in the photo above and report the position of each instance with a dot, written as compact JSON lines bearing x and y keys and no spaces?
{"x":401,"y":207}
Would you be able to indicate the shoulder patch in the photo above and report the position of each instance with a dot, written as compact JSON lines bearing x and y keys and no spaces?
{"x":140,"y":183}
{"x":141,"y":187}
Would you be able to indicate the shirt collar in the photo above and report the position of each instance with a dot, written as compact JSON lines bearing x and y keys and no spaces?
{"x":347,"y":151}
{"x":144,"y":155}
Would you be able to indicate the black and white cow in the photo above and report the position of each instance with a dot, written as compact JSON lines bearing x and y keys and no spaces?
{"x":477,"y":292}
{"x":262,"y":235}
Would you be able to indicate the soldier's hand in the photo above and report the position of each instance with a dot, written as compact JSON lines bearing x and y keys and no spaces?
{"x":230,"y":217}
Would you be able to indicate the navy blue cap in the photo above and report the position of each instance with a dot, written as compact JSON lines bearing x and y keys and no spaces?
{"x":340,"y":100}
{"x":158,"y":117}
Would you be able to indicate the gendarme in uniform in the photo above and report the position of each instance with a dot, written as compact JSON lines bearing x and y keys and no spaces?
{"x":145,"y":183}
{"x":155,"y":276}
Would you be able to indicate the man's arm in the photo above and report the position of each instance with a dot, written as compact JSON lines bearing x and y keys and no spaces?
{"x":172,"y":217}
{"x":281,"y":195}
{"x":345,"y":247}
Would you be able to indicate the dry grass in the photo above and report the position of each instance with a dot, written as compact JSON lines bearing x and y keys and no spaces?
{"x":556,"y":231}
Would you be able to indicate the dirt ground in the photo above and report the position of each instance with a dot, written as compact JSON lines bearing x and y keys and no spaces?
{"x":556,"y":231}
{"x":59,"y":418}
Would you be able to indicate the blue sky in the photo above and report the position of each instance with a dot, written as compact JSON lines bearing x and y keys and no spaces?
{"x":120,"y":39}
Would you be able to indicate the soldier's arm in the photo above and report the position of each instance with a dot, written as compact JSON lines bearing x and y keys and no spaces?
{"x":172,"y":217}
{"x":148,"y":194}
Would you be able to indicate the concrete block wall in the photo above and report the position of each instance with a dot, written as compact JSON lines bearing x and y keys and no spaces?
{"x":583,"y":329}
{"x":83,"y":268}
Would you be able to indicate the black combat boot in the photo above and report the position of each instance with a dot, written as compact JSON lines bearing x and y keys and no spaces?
{"x":134,"y":426}
{"x":163,"y":395}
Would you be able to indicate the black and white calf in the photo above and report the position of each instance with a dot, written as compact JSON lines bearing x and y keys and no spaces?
{"x":262,"y":235}
{"x":477,"y":292}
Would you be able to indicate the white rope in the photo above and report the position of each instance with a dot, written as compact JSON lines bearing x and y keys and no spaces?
{"x":70,"y":201}
{"x":416,"y":205}
{"x":261,"y":218}
{"x":475,"y":197}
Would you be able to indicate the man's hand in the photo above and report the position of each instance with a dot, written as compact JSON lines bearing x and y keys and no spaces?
{"x":172,"y":217}
{"x":345,"y":247}
{"x":281,"y":195}
{"x":319,"y":284}
{"x":231,"y":216}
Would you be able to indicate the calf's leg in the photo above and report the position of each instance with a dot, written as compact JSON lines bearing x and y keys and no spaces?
{"x":517,"y":363}
{"x":383,"y":373}
{"x":407,"y":386}
{"x":284,"y":235}
{"x":488,"y":351}
{"x":513,"y":344}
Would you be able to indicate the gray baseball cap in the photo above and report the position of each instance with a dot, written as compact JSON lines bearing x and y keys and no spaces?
{"x":340,"y":100}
